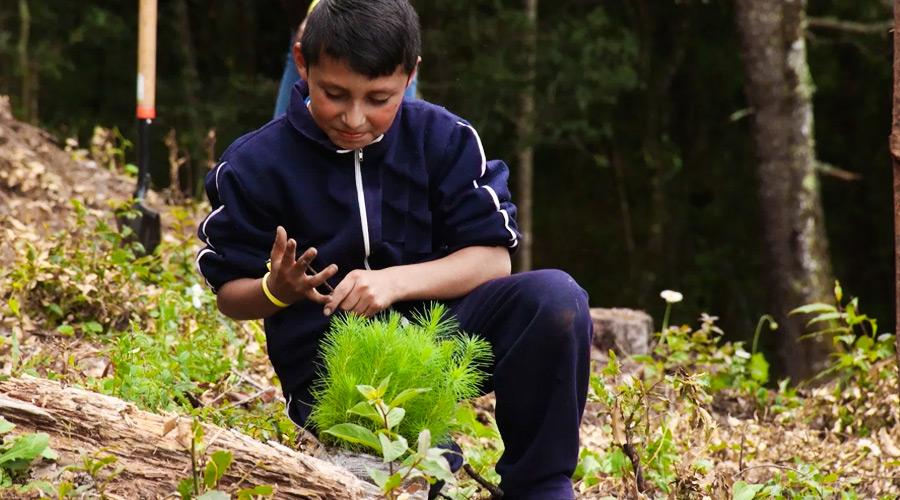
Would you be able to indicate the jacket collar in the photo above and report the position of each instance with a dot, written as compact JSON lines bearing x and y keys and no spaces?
{"x":302,"y":121}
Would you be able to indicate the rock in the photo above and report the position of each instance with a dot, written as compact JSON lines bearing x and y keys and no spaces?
{"x":625,"y":331}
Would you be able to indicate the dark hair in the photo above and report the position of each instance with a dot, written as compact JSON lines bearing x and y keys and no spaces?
{"x":373,"y":36}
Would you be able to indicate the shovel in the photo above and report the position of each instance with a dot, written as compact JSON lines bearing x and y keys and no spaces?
{"x":143,"y":221}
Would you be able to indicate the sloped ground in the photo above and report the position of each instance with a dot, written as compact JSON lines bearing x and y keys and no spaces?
{"x":38,"y":178}
{"x":739,"y":440}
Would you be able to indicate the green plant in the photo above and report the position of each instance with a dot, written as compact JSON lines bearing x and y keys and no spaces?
{"x":423,"y":461}
{"x":425,"y":353}
{"x":205,"y":480}
{"x":806,"y":481}
{"x":864,"y":364}
{"x":854,"y":334}
{"x":18,"y":452}
{"x":728,"y":364}
{"x":61,"y":491}
{"x":93,"y":466}
{"x":632,"y":404}
{"x":480,"y":441}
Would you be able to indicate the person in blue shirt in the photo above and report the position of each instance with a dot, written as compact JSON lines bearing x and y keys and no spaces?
{"x":290,"y":76}
{"x":392,"y":202}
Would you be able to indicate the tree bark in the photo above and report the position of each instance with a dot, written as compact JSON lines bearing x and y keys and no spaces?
{"x":779,"y":90}
{"x":525,"y":129}
{"x":895,"y":160}
{"x":154,"y":460}
{"x":190,"y":83}
{"x":25,"y":66}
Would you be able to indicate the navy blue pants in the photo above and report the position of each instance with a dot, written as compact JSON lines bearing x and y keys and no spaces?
{"x":540,"y":329}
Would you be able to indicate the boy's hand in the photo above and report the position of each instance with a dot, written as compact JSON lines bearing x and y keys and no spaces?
{"x":288,"y":280}
{"x":363,"y":292}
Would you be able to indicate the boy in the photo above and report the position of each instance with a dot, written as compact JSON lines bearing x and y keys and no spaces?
{"x":394,"y":203}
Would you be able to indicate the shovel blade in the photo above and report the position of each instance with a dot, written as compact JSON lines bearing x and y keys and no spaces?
{"x":145,"y":226}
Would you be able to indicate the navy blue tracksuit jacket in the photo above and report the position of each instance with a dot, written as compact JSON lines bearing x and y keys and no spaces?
{"x":419,"y":192}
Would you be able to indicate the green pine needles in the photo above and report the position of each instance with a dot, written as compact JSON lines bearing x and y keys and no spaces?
{"x":427,"y":353}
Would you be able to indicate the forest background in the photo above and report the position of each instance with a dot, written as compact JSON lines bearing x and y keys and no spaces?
{"x":645,"y":174}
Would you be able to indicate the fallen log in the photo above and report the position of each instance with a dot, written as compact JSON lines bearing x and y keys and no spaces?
{"x":155,"y":449}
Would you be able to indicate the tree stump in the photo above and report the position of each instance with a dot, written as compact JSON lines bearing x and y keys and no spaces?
{"x":625,"y":331}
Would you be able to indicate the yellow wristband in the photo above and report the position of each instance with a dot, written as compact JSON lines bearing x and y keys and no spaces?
{"x":269,"y":294}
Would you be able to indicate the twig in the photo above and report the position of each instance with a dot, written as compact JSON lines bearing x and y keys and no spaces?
{"x":839,"y":173}
{"x":741,"y":456}
{"x":496,"y":493}
{"x":857,"y":28}
{"x":631,"y":453}
{"x":246,"y":400}
{"x":763,"y":466}
{"x":311,"y":271}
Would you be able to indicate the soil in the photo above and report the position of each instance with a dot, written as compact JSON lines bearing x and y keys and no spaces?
{"x":38,"y":178}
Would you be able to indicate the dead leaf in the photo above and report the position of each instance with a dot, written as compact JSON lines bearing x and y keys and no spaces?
{"x":169,"y":425}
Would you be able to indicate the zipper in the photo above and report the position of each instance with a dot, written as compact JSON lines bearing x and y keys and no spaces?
{"x":361,"y":199}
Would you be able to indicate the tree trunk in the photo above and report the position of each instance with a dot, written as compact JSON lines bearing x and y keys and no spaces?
{"x":525,"y":129}
{"x":779,"y":90}
{"x":190,"y":83}
{"x":25,"y":66}
{"x":155,"y":449}
{"x":895,"y":160}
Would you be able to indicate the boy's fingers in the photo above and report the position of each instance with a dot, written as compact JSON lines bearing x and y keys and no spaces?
{"x":318,"y":297}
{"x":337,"y":297}
{"x":290,"y":253}
{"x":304,"y":260}
{"x":280,"y":242}
{"x":324,"y":275}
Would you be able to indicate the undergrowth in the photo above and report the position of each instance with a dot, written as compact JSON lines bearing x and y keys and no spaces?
{"x":166,"y":346}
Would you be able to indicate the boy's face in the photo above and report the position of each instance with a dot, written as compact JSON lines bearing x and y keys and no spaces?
{"x":351,"y":108}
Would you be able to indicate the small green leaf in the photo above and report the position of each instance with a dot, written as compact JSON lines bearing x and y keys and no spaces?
{"x":612,"y":366}
{"x":392,"y":450}
{"x":830,"y":478}
{"x":66,"y":330}
{"x":382,"y":387}
{"x":50,"y":454}
{"x":364,"y":409}
{"x":216,"y":466}
{"x":355,"y":434}
{"x":393,"y":482}
{"x":248,"y":494}
{"x":185,"y":488}
{"x":56,"y":311}
{"x":214,"y":495}
{"x":827,"y":316}
{"x":438,"y":468}
{"x":864,"y":343}
{"x":379,"y":476}
{"x":744,"y":491}
{"x":702,"y":465}
{"x":92,"y":327}
{"x":759,"y":368}
{"x":587,"y":466}
{"x":26,"y":447}
{"x":406,"y":396}
{"x":838,"y":291}
{"x":394,"y":416}
{"x":14,"y":306}
{"x":6,"y":426}
{"x":367,"y":391}
{"x":424,"y":442}
{"x":812,"y":308}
